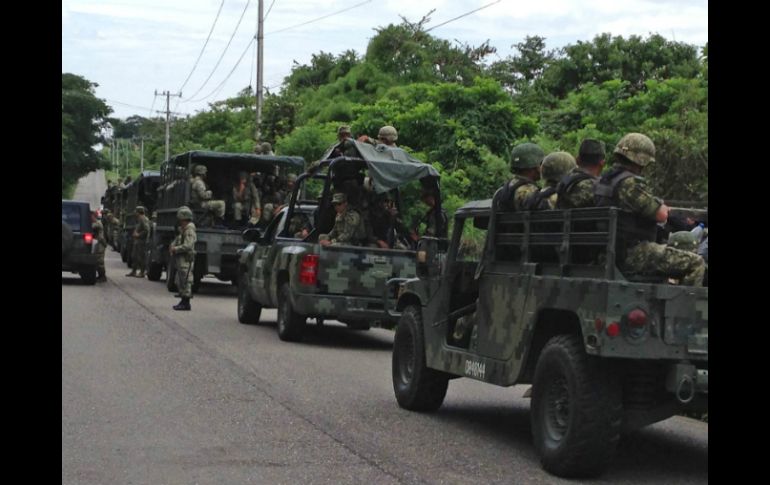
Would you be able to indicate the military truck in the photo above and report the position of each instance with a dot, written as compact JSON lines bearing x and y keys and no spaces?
{"x":141,"y":191}
{"x":549,"y":303}
{"x":347,"y":283}
{"x":216,"y":247}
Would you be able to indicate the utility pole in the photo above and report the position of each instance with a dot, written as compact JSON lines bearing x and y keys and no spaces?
{"x":168,"y":116}
{"x":260,"y":42}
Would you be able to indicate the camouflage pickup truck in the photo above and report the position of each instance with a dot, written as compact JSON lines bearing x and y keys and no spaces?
{"x":303,"y":279}
{"x":548,"y":303}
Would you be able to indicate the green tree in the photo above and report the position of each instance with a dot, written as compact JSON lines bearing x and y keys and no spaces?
{"x":82,"y":118}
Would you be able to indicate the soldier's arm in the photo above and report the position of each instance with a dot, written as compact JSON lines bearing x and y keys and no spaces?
{"x":521,"y":195}
{"x":635,"y":194}
{"x":352,"y":220}
{"x":200,"y":188}
{"x":187,"y":242}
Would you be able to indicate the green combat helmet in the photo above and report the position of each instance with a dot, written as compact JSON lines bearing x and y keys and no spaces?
{"x":344,"y":129}
{"x":388,"y":133}
{"x":184,"y":214}
{"x":684,"y":240}
{"x":267,"y":148}
{"x":200,"y":170}
{"x":526,"y":155}
{"x":637,"y":148}
{"x":556,"y":165}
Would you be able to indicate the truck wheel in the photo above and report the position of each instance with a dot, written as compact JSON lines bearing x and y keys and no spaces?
{"x":576,"y":410}
{"x":417,"y":387}
{"x":88,"y":275}
{"x":171,"y":276}
{"x":248,"y":309}
{"x":154,"y":271}
{"x":290,"y":324}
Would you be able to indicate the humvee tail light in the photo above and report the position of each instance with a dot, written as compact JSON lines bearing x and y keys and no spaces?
{"x":308,"y":269}
{"x":88,"y":237}
{"x":613,"y":329}
{"x":637,"y":318}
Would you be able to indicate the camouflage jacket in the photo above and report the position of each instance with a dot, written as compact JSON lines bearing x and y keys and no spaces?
{"x":580,"y":194}
{"x":198,"y":192}
{"x":517,"y":199}
{"x":98,"y":229}
{"x":348,"y":229}
{"x":634,"y":194}
{"x":184,"y":242}
{"x":142,"y":229}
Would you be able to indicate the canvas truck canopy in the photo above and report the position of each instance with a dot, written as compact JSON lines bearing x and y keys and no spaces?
{"x":241,"y":161}
{"x":389,"y":167}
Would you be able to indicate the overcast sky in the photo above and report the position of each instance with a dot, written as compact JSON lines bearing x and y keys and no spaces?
{"x":133,"y":47}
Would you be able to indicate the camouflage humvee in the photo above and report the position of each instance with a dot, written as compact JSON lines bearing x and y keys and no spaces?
{"x":545,"y":302}
{"x":303,"y":279}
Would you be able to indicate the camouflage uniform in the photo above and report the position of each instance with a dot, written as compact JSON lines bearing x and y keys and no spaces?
{"x":516,"y":192}
{"x":99,"y":236}
{"x":246,"y":199}
{"x":139,"y":246}
{"x":633,"y":194}
{"x":579,"y":194}
{"x":554,"y":167}
{"x":200,"y":196}
{"x":348,"y":226}
{"x":184,"y":258}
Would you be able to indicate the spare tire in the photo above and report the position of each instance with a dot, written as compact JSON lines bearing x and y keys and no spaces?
{"x":66,"y":238}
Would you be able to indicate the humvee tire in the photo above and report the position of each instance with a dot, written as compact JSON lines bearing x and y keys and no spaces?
{"x":290,"y":324}
{"x":88,"y":275}
{"x":417,"y":387}
{"x":576,"y":410}
{"x":249,"y":310}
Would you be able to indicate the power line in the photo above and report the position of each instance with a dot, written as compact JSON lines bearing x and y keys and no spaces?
{"x":463,"y":15}
{"x":153,"y":105}
{"x":268,"y":10}
{"x":204,"y":47}
{"x":320,"y":18}
{"x":129,"y":105}
{"x":221,"y":84}
{"x":223,"y":52}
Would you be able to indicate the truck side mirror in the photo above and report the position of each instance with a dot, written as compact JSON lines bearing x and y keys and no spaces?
{"x":252,"y":235}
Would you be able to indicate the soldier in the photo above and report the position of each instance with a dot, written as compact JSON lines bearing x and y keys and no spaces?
{"x":247,"y":206}
{"x":267,"y":148}
{"x":554,"y":167}
{"x":577,"y":188}
{"x":525,"y":165}
{"x":139,"y":247}
{"x":348,"y":225}
{"x":624,"y":187}
{"x":183,"y":252}
{"x":388,"y":136}
{"x":344,"y":133}
{"x":291,"y":181}
{"x":436,"y":224}
{"x":101,"y":246}
{"x":388,"y":232}
{"x":200,"y":196}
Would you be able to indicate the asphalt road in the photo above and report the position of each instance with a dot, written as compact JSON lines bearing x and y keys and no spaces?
{"x":90,"y":189}
{"x":154,"y":396}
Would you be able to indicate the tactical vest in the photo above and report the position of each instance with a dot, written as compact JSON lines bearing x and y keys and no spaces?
{"x":539,"y":200}
{"x":631,"y":232}
{"x":569,"y":181}
{"x":505,"y":200}
{"x":606,"y":189}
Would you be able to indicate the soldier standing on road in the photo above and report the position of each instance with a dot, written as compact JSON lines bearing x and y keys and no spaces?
{"x":554,"y":167}
{"x":101,"y":246}
{"x":525,"y":165}
{"x":200,"y":196}
{"x":624,"y":187}
{"x":348,"y":225}
{"x":139,"y":246}
{"x":183,"y":252}
{"x":577,"y":188}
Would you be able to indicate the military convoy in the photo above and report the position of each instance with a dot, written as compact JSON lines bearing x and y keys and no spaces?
{"x":351,"y":284}
{"x":548,"y":302}
{"x":217,"y":244}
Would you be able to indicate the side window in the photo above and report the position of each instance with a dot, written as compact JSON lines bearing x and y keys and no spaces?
{"x":70,"y":215}
{"x":471,"y":244}
{"x":273,"y":228}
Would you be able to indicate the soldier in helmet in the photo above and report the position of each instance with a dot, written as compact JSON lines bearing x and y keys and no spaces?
{"x":387,"y":136}
{"x":200,"y":196}
{"x":101,"y":246}
{"x":139,"y":246}
{"x":291,"y":181}
{"x":183,"y":252}
{"x":525,"y":165}
{"x":247,"y":206}
{"x":577,"y":188}
{"x":624,"y":187}
{"x":554,"y":167}
{"x":344,"y":133}
{"x":348,"y":226}
{"x":267,"y":148}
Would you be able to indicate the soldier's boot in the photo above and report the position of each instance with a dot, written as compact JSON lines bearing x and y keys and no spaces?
{"x":141,"y":274}
{"x":183,"y":305}
{"x":101,"y":277}
{"x":132,"y":273}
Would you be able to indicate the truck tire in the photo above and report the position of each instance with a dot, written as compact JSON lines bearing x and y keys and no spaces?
{"x":154,"y":271}
{"x":66,"y":239}
{"x":249,"y":310}
{"x":291,"y":325}
{"x":417,"y":387}
{"x":88,"y":275}
{"x":171,"y":276}
{"x":576,"y":410}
